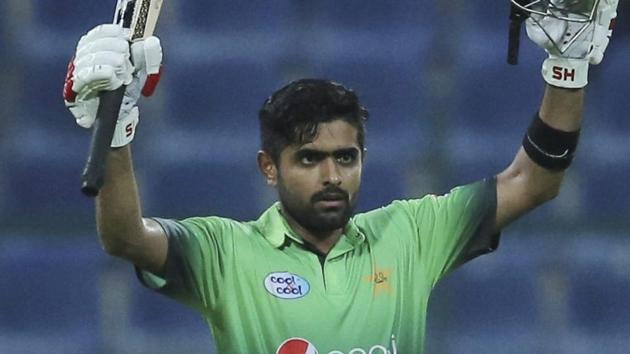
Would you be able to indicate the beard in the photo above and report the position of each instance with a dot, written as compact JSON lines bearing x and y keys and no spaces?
{"x":327,"y":210}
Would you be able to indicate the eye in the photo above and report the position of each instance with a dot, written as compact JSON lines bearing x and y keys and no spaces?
{"x":308,"y":159}
{"x":346,"y":158}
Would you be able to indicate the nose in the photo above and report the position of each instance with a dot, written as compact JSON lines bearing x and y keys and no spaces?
{"x":330,"y":172}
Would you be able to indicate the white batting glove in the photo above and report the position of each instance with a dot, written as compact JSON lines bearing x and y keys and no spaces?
{"x":104,"y":61}
{"x":572,"y":46}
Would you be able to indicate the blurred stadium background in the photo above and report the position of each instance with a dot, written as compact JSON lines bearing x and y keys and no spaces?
{"x":445,"y":110}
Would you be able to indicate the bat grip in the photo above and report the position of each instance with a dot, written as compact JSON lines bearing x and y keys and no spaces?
{"x":514,"y":41}
{"x":93,"y":175}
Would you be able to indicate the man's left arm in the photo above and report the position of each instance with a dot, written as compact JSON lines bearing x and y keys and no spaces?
{"x":537,"y":171}
{"x":525,"y":184}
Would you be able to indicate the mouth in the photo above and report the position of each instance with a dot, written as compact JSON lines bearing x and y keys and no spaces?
{"x":331,"y":203}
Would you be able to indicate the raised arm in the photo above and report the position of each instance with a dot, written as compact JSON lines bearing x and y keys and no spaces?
{"x":102,"y":62}
{"x":122,"y":230}
{"x":525,"y":184}
{"x":536,"y":173}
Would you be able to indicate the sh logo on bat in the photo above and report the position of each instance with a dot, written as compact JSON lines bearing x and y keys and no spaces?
{"x":286,"y":285}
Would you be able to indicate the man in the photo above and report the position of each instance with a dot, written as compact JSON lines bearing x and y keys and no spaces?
{"x":309,"y":276}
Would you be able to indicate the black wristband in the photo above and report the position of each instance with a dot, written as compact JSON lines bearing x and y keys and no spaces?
{"x":548,"y":147}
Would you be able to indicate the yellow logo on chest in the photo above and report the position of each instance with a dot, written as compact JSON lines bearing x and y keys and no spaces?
{"x":381,"y":280}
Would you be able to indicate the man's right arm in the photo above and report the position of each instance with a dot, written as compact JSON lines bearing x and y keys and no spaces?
{"x":122,"y":230}
{"x":104,"y":61}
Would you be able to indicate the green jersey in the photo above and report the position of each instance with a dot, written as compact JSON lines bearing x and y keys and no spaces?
{"x":262,"y":291}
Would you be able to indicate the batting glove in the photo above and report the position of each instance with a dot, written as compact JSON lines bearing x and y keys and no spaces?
{"x":104,"y":61}
{"x":572,"y":45}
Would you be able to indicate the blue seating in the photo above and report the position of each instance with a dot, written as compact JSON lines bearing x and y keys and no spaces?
{"x":373,"y":15}
{"x":607,"y":102}
{"x":382,"y":183}
{"x":234,"y":15}
{"x":599,"y":288}
{"x":155,"y":314}
{"x":51,"y":289}
{"x":43,"y":190}
{"x":41,"y":95}
{"x":602,"y":193}
{"x":53,"y":16}
{"x":219,"y":95}
{"x":390,"y":90}
{"x":494,"y":293}
{"x":487,"y":16}
{"x":492,"y":96}
{"x":205,"y":187}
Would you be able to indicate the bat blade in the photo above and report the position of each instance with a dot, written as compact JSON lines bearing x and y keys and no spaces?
{"x":141,"y":17}
{"x":145,"y":18}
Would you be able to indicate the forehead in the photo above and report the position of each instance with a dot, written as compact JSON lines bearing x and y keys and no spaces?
{"x":334,"y":135}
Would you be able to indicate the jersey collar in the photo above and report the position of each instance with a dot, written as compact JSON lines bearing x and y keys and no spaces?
{"x":276,"y":229}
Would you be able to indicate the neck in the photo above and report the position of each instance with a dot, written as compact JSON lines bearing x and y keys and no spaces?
{"x":321,"y":241}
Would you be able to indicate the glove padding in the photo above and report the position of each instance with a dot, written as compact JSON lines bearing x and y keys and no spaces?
{"x":572,"y":46}
{"x":104,"y":61}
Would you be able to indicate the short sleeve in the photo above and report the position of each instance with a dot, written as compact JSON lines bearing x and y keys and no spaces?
{"x":454,"y":228}
{"x":195,"y":263}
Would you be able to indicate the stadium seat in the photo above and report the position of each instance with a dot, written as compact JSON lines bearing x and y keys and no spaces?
{"x":382,"y":182}
{"x":607,"y":99}
{"x":61,"y":17}
{"x":225,"y":95}
{"x":484,"y":16}
{"x":599,"y":286}
{"x":377,"y":15}
{"x":155,"y":314}
{"x":495,"y":293}
{"x":43,"y":187}
{"x":40,"y":95}
{"x":50,"y":289}
{"x":603,"y":191}
{"x":492,"y":96}
{"x":196,"y":187}
{"x":235,"y":15}
{"x":391,"y":91}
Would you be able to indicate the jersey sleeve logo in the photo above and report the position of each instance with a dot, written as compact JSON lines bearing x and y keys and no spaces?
{"x":286,"y":285}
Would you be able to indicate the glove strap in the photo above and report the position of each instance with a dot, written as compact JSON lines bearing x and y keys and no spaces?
{"x":565,"y":72}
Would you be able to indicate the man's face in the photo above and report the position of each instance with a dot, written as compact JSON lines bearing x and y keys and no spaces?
{"x":318,"y":182}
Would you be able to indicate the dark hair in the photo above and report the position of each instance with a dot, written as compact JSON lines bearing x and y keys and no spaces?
{"x":293,"y":113}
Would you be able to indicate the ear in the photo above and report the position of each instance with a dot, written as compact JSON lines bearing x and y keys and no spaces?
{"x":267,"y":167}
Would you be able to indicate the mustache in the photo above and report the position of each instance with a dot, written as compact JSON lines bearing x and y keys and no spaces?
{"x":330,"y":193}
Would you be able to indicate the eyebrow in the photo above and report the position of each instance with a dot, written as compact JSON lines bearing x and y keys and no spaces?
{"x":321,"y":153}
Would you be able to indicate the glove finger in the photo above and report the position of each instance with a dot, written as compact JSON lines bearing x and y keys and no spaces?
{"x":105,"y":31}
{"x":102,"y":66}
{"x":117,"y":45}
{"x":95,"y":78}
{"x":111,"y":59}
{"x":151,"y":83}
{"x":84,"y":112}
{"x":147,"y":55}
{"x":537,"y":34}
{"x":597,"y":53}
{"x":68,"y":94}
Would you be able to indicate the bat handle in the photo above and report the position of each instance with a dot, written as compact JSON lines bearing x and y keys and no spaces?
{"x":517,"y":17}
{"x":514,"y":42}
{"x":93,"y":175}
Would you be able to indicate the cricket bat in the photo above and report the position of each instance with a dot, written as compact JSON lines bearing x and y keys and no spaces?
{"x":141,"y":17}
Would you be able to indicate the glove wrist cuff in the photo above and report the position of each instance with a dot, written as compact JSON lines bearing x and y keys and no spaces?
{"x":565,"y":72}
{"x":125,"y":129}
